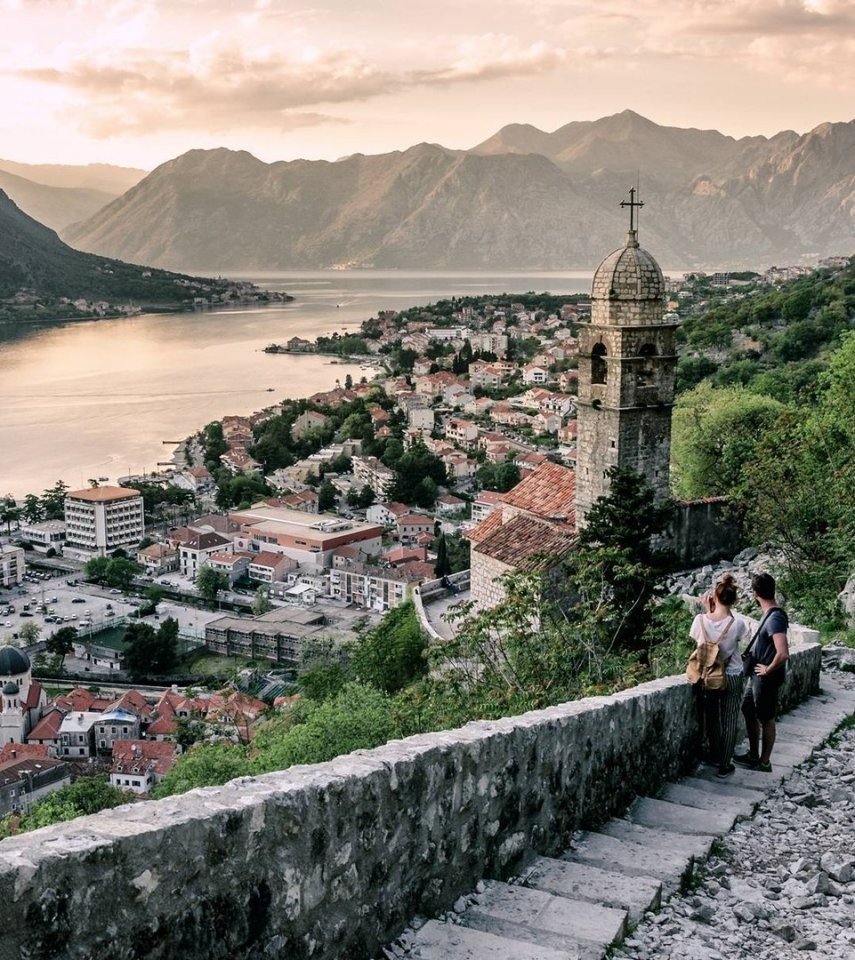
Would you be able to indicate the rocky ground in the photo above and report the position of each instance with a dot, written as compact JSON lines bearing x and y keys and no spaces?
{"x":781,"y":884}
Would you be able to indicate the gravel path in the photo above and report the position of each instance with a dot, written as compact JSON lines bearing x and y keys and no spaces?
{"x":781,"y":884}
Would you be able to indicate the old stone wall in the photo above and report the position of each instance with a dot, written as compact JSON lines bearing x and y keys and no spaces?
{"x":487,"y":590}
{"x":705,"y":531}
{"x":332,"y":860}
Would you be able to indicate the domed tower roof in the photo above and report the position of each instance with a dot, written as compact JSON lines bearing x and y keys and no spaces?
{"x":13,"y":662}
{"x":11,"y":689}
{"x":628,"y":273}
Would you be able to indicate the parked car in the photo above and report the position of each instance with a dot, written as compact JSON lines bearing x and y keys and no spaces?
{"x":115,"y":591}
{"x":78,"y":600}
{"x":25,"y":613}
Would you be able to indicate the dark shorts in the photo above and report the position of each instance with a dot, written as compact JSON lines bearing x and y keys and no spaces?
{"x":761,"y":698}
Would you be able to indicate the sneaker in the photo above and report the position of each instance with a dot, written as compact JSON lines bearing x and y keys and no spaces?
{"x":746,"y":760}
{"x":724,"y":772}
{"x":764,"y":767}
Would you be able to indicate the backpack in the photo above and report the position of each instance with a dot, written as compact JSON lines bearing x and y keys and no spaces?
{"x":706,"y":664}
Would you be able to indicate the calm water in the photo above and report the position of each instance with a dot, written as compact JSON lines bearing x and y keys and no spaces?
{"x":99,"y":398}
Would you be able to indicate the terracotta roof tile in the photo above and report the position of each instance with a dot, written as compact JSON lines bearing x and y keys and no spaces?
{"x":527,"y":543}
{"x":549,"y":492}
{"x":488,"y":525}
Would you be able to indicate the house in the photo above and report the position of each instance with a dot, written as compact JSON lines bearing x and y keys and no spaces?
{"x":232,"y":565}
{"x":77,"y":735}
{"x":421,"y":419}
{"x":400,"y":555}
{"x":448,"y":503}
{"x":194,"y":552}
{"x":531,"y":530}
{"x":118,"y":724}
{"x":158,"y":558}
{"x":410,"y":525}
{"x":386,"y":513}
{"x":43,"y":535}
{"x":375,"y":588}
{"x":308,"y":420}
{"x":370,"y":472}
{"x":422,"y":366}
{"x":26,"y":780}
{"x":568,"y":381}
{"x":484,"y":504}
{"x":46,"y":732}
{"x":268,"y":566}
{"x":139,"y":765}
{"x":546,"y":423}
{"x":535,"y":373}
{"x":200,"y":479}
{"x":238,"y":461}
{"x":460,"y":431}
{"x":459,"y":466}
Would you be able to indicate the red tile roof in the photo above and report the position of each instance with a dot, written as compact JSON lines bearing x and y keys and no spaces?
{"x":549,"y":492}
{"x":138,"y":756}
{"x":48,"y":727}
{"x":527,"y":543}
{"x":488,"y":525}
{"x":23,"y":751}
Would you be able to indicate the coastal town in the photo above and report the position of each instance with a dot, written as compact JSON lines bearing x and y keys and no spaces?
{"x":295,"y":528}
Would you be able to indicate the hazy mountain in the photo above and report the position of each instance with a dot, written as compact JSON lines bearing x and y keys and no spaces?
{"x":56,"y":207}
{"x":93,"y":176}
{"x":33,"y":257}
{"x":522,"y":199}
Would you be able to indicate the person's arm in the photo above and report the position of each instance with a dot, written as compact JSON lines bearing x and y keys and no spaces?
{"x":782,"y":654}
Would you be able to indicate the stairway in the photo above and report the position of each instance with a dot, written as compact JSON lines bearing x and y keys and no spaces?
{"x":574,"y":907}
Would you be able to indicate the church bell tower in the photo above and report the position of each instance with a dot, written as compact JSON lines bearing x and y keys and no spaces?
{"x":627,"y":364}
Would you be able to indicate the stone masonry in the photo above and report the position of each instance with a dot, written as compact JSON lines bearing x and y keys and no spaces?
{"x":333,"y":860}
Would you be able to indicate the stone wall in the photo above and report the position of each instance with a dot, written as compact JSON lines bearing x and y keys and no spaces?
{"x":332,"y":860}
{"x":704,"y":531}
{"x":487,"y":589}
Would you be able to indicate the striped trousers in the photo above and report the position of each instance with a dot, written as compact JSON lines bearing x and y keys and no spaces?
{"x":722,"y":718}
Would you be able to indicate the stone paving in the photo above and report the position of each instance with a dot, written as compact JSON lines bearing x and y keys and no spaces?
{"x":779,"y":884}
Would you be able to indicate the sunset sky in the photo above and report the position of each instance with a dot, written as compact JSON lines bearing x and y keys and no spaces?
{"x":136,"y":82}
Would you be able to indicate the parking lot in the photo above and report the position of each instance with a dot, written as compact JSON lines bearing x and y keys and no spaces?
{"x":52,"y":602}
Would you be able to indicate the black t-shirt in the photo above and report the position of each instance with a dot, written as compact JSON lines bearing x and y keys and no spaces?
{"x":764,"y":646}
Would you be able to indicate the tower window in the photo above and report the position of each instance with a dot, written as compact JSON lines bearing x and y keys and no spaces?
{"x":598,"y":363}
{"x":645,"y":373}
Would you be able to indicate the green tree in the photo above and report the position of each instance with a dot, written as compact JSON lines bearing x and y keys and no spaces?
{"x":53,"y":501}
{"x":9,"y":514}
{"x":391,"y":655}
{"x":327,"y":497}
{"x":120,"y":573}
{"x":33,"y":509}
{"x":209,"y":582}
{"x":443,"y":564}
{"x":348,"y":382}
{"x":358,"y":717}
{"x":96,"y":569}
{"x":413,"y":469}
{"x":366,"y":498}
{"x":61,"y":642}
{"x":715,"y":432}
{"x":261,"y":602}
{"x":154,"y":595}
{"x":205,"y":765}
{"x":150,"y":652}
{"x":86,"y":795}
{"x":29,"y":632}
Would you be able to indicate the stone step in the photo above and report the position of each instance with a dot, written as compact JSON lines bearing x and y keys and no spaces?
{"x":709,"y":798}
{"x":448,"y":941}
{"x":535,"y":916}
{"x":580,"y":881}
{"x":806,"y":727}
{"x":725,"y":788}
{"x":692,"y":845}
{"x":753,"y":779}
{"x":678,"y":817}
{"x":631,"y":859}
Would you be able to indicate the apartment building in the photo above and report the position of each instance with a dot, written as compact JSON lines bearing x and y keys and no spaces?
{"x":103,"y":519}
{"x":12,"y":565}
{"x":370,"y":472}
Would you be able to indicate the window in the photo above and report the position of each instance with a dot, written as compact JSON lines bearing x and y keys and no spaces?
{"x":645,"y":372}
{"x":598,"y":363}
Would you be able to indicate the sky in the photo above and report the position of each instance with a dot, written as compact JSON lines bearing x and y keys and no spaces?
{"x":137,"y":82}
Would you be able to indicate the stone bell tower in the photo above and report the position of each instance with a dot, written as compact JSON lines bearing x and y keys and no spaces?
{"x":627,"y":364}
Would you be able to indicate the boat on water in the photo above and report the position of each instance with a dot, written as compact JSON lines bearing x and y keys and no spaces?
{"x":102,"y":479}
{"x":270,"y":389}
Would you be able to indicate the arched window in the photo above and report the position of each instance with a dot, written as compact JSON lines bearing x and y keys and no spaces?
{"x":646,"y":376}
{"x":598,"y":363}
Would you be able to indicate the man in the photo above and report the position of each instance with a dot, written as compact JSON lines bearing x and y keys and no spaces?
{"x":769,"y":655}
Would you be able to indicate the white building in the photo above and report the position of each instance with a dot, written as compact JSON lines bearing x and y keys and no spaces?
{"x":12,"y":565}
{"x":370,"y":472}
{"x":103,"y":519}
{"x":22,"y":699}
{"x":44,"y":534}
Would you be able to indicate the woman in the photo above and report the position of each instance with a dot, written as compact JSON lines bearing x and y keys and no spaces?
{"x":722,"y":707}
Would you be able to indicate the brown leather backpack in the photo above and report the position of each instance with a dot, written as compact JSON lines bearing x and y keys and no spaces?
{"x":706,"y":664}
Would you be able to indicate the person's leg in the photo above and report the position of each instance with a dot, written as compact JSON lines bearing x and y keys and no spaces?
{"x":730,"y":718}
{"x":752,"y":724}
{"x":769,"y":731}
{"x":712,"y":699}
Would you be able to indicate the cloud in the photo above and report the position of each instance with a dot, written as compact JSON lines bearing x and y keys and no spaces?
{"x":214,"y":87}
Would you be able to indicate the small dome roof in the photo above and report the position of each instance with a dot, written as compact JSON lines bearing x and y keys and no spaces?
{"x":13,"y":662}
{"x":628,"y":273}
{"x":11,"y":688}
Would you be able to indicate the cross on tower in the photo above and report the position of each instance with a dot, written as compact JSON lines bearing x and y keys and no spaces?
{"x":632,"y":203}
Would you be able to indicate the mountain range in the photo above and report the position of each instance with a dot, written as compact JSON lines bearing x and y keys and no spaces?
{"x":58,"y":195}
{"x":523,"y":199}
{"x":35,"y":262}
